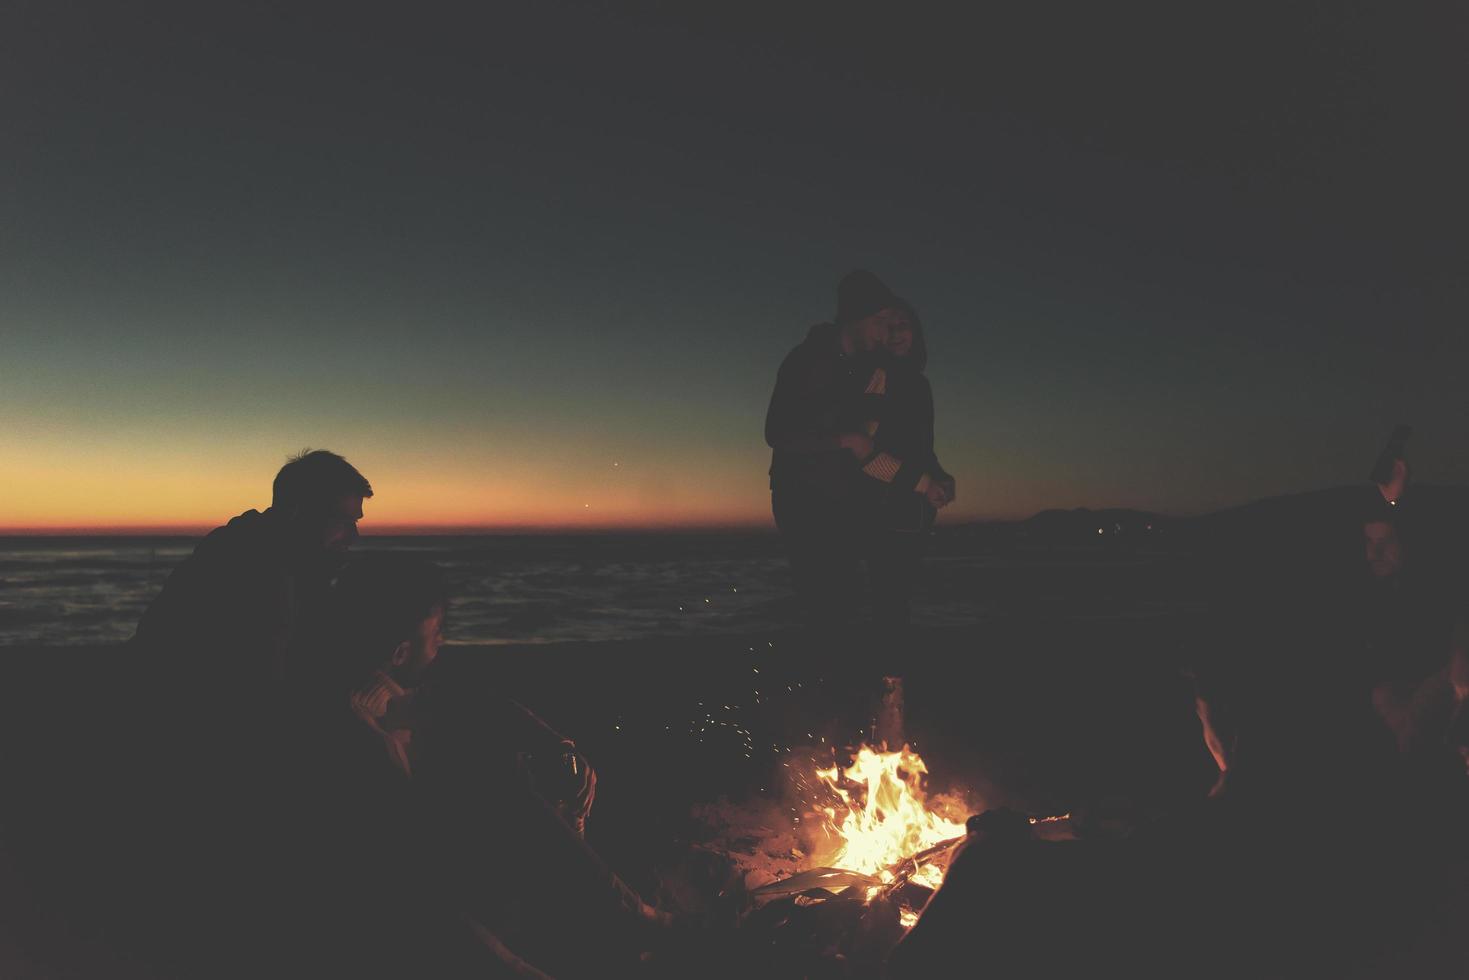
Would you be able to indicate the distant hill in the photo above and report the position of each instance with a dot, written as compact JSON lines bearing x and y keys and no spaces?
{"x":1084,"y":524}
{"x":1321,"y":521}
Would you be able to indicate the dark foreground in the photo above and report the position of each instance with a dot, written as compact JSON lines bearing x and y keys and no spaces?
{"x":1080,"y":716}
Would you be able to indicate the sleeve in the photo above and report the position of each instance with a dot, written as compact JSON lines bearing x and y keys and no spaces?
{"x":915,"y":473}
{"x":799,"y":420}
{"x":887,"y":468}
{"x":926,"y":420}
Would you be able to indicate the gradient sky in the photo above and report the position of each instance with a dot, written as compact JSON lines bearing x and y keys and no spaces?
{"x":536,"y":264}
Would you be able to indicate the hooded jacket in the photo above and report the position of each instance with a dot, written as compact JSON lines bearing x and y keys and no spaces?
{"x":819,"y":395}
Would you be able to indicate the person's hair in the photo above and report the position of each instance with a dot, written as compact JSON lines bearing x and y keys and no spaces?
{"x":918,"y":353}
{"x":861,"y":294}
{"x":378,"y":601}
{"x":312,"y":480}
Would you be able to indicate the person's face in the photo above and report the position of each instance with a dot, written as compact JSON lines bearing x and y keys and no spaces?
{"x":339,"y":530}
{"x":416,"y":654}
{"x":900,"y":334}
{"x":871,"y":333}
{"x":1384,"y":549}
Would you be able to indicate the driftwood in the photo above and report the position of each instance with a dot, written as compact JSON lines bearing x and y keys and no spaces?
{"x":826,"y":878}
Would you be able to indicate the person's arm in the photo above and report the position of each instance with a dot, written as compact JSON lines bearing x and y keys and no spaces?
{"x":502,"y":957}
{"x":557,"y":771}
{"x":1221,"y":737}
{"x":884,"y":467}
{"x":936,"y":470}
{"x":564,"y":857}
{"x":917,"y":474}
{"x":802,"y":413}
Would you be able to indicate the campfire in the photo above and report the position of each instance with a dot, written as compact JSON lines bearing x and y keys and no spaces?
{"x":882,"y":820}
{"x":841,"y":861}
{"x":877,"y":838}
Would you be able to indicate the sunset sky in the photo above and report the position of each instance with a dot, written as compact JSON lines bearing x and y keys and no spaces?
{"x":537,"y":264}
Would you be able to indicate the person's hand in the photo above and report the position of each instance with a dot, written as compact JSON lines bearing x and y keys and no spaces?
{"x":948,"y":484}
{"x":860,"y":445}
{"x":936,"y":496}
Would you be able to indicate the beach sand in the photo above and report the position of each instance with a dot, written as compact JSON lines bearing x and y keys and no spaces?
{"x":1042,"y":717}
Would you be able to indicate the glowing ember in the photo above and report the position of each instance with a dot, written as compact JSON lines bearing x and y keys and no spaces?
{"x":882,"y":817}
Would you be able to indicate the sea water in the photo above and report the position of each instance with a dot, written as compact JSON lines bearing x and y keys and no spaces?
{"x":518,"y":588}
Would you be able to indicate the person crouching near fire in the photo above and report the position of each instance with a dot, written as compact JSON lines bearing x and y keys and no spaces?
{"x":498,"y":797}
{"x":361,"y":894}
{"x":392,"y":614}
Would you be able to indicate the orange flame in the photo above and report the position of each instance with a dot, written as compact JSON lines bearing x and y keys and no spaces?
{"x":882,"y":816}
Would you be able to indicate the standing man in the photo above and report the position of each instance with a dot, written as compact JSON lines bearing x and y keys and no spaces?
{"x":817,"y":428}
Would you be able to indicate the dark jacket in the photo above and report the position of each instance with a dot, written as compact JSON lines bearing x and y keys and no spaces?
{"x":905,"y":431}
{"x":239,"y":602}
{"x":818,"y":396}
{"x":206,"y":735}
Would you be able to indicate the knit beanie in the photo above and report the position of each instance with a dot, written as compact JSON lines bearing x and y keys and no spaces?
{"x":861,"y":294}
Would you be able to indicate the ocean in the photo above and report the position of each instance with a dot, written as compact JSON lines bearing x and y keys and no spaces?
{"x":517,"y":588}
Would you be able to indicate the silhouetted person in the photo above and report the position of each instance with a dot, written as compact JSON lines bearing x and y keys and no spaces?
{"x":246,"y":595}
{"x":817,"y":427}
{"x":910,"y":484}
{"x":487,"y":800}
{"x":205,"y":742}
{"x":1306,"y":650}
{"x":1407,"y":605}
{"x":366,"y":892}
{"x":386,"y":628}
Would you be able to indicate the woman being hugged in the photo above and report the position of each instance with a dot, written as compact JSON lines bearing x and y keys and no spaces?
{"x":909,"y":482}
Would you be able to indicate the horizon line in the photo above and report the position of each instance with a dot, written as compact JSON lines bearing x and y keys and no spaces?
{"x":385,"y":530}
{"x":449,"y":530}
{"x":431,"y":530}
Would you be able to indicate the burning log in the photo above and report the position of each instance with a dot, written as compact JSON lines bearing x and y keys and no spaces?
{"x":881,"y":814}
{"x":832,"y":879}
{"x":835,"y":873}
{"x":902,"y":872}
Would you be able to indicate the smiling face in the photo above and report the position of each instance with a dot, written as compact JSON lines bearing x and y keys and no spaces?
{"x":900,"y":333}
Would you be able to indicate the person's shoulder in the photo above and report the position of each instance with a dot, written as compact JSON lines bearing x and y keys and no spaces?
{"x":824,"y":334}
{"x":251,"y":537}
{"x":251,"y":525}
{"x":819,"y":345}
{"x":821,"y":339}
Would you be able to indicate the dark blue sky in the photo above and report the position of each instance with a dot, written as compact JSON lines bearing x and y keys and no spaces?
{"x":1167,"y":258}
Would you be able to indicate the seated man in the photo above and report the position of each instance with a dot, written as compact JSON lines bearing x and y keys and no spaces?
{"x":187,"y":804}
{"x":233,"y":610}
{"x":499,"y":797}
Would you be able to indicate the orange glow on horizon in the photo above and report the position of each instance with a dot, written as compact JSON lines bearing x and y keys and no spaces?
{"x":105,"y":485}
